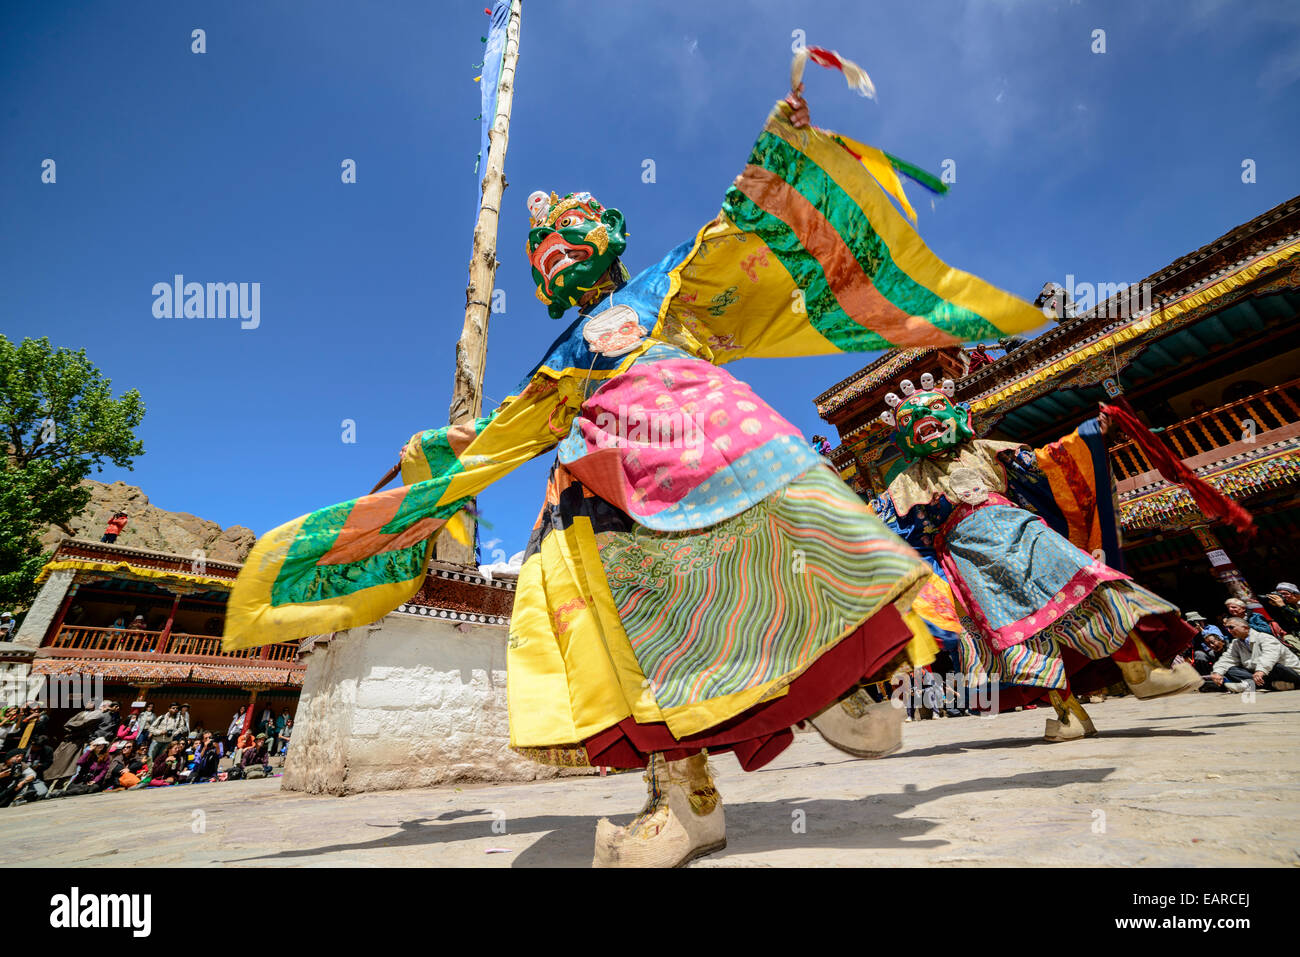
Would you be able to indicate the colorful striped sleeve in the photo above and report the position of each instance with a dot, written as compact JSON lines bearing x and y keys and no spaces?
{"x":1077,"y":468}
{"x":352,"y":563}
{"x":810,"y":257}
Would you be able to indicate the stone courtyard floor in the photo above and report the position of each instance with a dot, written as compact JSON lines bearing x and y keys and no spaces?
{"x":1193,"y":780}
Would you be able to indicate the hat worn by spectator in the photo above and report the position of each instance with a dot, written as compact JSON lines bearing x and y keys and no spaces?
{"x":1194,"y":616}
{"x":1287,"y":586}
{"x":260,"y":736}
{"x":98,"y":741}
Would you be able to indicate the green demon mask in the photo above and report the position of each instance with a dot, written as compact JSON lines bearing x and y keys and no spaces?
{"x":928,"y":423}
{"x":573,"y":243}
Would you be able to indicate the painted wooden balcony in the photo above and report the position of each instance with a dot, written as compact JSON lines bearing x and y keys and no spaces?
{"x":78,"y":638}
{"x":1269,"y":416}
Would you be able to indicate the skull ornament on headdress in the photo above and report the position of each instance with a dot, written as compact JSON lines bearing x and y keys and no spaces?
{"x":928,"y":423}
{"x":573,"y":242}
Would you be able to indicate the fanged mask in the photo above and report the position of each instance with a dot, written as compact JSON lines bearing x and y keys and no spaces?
{"x":572,"y":244}
{"x":928,"y":423}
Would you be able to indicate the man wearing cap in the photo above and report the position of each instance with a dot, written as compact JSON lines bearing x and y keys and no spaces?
{"x":7,"y":624}
{"x":1284,"y":606}
{"x":256,"y":755}
{"x":1209,"y":644}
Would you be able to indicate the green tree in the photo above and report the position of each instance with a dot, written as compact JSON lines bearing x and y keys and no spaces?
{"x":58,"y":419}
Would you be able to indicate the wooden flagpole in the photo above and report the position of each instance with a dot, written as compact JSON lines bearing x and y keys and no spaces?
{"x":471,"y":350}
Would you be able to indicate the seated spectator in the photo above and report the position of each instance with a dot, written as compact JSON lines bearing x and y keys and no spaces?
{"x":1208,"y":650}
{"x":206,"y":757}
{"x":1237,"y":609}
{"x":92,"y":770}
{"x":14,"y":776}
{"x":1207,"y":646}
{"x":126,"y":769}
{"x":256,"y":754}
{"x":7,"y":624}
{"x":1255,"y":659}
{"x":1284,"y":605}
{"x":34,"y":721}
{"x":167,"y":768}
{"x":129,"y":729}
{"x":39,"y":755}
{"x":1202,"y":624}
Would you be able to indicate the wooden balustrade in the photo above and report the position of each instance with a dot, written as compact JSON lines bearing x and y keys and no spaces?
{"x":106,"y":639}
{"x":79,"y":638}
{"x":1226,"y":425}
{"x":283,"y":652}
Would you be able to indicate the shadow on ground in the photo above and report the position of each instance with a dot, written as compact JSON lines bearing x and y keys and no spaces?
{"x":1028,"y":741}
{"x":872,"y":822}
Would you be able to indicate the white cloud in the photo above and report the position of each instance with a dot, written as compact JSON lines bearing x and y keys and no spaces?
{"x":1281,"y":70}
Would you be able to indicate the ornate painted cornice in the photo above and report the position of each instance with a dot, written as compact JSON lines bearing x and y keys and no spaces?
{"x":1171,"y":507}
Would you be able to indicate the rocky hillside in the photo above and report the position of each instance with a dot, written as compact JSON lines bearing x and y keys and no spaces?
{"x":154,"y":528}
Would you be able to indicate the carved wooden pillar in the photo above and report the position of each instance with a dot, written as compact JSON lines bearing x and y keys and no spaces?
{"x":252,"y":703}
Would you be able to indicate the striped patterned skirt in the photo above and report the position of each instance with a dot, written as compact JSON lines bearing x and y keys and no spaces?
{"x":698,"y":578}
{"x":627,"y":640}
{"x":1037,"y":609}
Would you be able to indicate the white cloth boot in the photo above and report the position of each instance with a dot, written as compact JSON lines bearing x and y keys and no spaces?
{"x":861,"y":727}
{"x":1071,"y":722}
{"x":682,"y":819}
{"x":1148,"y":681}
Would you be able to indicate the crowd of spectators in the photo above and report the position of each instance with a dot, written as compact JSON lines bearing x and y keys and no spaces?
{"x":104,"y":750}
{"x":1250,"y":650}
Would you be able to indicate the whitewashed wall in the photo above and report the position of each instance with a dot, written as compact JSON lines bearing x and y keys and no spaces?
{"x":408,"y":702}
{"x":45,"y":607}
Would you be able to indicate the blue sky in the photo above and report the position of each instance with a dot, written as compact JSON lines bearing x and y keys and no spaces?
{"x":225,"y":166}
